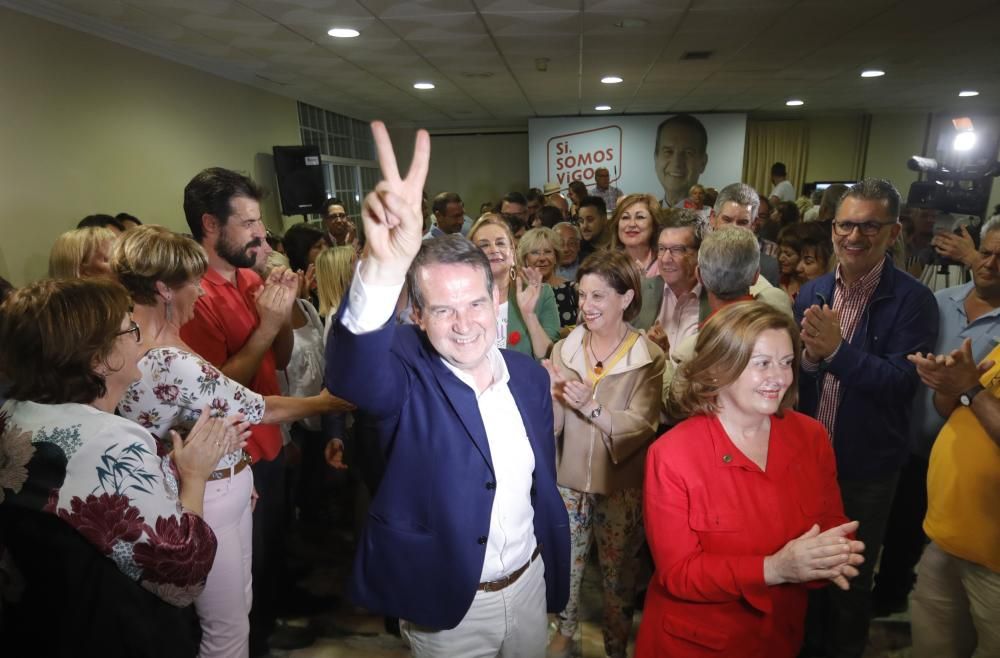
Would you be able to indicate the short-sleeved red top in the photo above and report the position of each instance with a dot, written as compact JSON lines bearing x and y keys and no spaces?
{"x":224,"y":318}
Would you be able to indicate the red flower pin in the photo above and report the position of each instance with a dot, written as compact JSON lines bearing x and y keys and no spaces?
{"x":513,"y":338}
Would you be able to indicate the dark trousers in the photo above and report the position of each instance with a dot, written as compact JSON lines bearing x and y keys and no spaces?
{"x":837,"y":621}
{"x":268,"y":549}
{"x":904,"y":535}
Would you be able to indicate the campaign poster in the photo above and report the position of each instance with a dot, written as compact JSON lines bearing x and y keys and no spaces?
{"x":663,"y":155}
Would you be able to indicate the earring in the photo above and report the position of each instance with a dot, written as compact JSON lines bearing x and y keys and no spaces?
{"x":169,"y":310}
{"x":513,"y":273}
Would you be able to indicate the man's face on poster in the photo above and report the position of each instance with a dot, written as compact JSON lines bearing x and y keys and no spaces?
{"x":680,"y":160}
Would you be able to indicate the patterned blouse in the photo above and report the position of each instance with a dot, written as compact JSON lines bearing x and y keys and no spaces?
{"x":100,"y":474}
{"x":174,"y":388}
{"x":567,"y":303}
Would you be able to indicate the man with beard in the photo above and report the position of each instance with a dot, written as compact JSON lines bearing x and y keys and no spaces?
{"x":242,"y":325}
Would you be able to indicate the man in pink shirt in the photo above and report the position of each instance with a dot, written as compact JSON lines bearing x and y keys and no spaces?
{"x":677,"y":252}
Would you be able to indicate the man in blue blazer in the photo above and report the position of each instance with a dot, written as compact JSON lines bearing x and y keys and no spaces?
{"x":467,"y":537}
{"x":859,"y":323}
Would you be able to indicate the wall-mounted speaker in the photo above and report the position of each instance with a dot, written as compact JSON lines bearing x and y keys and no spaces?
{"x":300,"y":179}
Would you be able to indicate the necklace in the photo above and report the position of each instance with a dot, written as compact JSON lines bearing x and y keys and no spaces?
{"x":599,"y":363}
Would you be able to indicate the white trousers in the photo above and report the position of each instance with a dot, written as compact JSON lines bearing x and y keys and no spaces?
{"x":224,"y":606}
{"x":510,"y":623}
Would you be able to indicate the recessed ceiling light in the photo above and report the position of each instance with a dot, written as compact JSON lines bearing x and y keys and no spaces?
{"x":967,"y":93}
{"x":343,"y":32}
{"x":611,"y":79}
{"x":602,"y":108}
{"x":872,"y":73}
{"x":794,"y":102}
{"x":423,"y":85}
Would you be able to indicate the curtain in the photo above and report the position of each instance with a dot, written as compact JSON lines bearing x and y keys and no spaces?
{"x":775,"y":141}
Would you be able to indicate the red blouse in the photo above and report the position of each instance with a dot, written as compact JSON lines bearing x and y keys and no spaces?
{"x":712,"y":516}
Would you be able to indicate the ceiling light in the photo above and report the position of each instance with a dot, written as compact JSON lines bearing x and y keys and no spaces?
{"x":872,"y":73}
{"x":965,"y":141}
{"x":343,"y":32}
{"x":602,"y":108}
{"x":423,"y":85}
{"x":611,"y":79}
{"x":795,"y":102}
{"x":967,"y":93}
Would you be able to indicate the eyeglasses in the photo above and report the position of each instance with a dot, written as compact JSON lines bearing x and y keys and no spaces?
{"x":337,"y":215}
{"x":132,"y":329}
{"x":866,"y":228}
{"x":676,"y":250}
{"x":995,"y":255}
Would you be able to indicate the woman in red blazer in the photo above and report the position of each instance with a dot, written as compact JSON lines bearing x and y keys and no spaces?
{"x":742,"y":507}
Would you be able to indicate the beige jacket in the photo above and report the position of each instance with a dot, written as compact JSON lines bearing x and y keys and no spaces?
{"x":586,"y":458}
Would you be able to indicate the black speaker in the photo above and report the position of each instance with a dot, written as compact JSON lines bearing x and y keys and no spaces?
{"x":300,"y":179}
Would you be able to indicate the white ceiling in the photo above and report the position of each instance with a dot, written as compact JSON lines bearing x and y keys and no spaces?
{"x":482,"y":54}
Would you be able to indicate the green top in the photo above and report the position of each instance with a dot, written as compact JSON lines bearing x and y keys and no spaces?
{"x":546,"y":311}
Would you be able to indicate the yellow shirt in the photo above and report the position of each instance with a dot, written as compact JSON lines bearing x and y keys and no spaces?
{"x":963,"y":484}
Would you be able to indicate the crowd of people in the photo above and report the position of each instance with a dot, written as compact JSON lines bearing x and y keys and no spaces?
{"x":747,"y":411}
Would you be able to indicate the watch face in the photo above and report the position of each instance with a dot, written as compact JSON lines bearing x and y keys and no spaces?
{"x":964,"y":399}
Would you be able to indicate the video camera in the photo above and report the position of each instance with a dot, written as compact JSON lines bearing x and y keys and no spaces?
{"x":965,"y":191}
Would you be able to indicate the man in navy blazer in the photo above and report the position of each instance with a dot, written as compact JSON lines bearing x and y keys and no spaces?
{"x":859,"y":323}
{"x":467,"y":538}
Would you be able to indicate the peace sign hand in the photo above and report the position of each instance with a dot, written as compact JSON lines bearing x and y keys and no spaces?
{"x":392,"y":212}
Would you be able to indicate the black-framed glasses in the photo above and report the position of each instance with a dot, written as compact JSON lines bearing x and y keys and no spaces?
{"x":676,"y":250}
{"x":133,"y":328}
{"x":866,"y":228}
{"x":337,"y":215}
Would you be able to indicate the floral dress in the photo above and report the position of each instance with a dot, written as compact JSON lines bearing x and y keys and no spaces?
{"x":100,"y":474}
{"x":174,"y":388}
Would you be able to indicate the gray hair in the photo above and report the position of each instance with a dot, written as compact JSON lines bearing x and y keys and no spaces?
{"x":446,"y":250}
{"x":576,"y":229}
{"x":684,"y":218}
{"x":875,"y":189}
{"x":991,"y":224}
{"x":728,"y":261}
{"x":742,"y":194}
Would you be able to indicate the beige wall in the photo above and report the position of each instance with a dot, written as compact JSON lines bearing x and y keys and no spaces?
{"x":892,"y":140}
{"x":480,"y":167}
{"x":89,"y":126}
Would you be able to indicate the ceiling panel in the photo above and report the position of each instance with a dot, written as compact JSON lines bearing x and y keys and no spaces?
{"x":483,"y":54}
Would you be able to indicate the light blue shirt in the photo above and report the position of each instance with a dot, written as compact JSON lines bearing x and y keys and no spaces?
{"x":954,"y":328}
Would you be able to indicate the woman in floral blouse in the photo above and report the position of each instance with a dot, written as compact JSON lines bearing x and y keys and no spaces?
{"x":72,"y":349}
{"x":162,"y":271}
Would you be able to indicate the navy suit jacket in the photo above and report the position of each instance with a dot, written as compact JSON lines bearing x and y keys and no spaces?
{"x":421,"y":553}
{"x":871,"y":432}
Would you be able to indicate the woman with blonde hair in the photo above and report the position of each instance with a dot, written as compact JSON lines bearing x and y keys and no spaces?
{"x":82,"y":253}
{"x":334,"y":269}
{"x":742,"y":507}
{"x":606,"y":381}
{"x":162,"y":271}
{"x":528,"y":321}
{"x":542,"y":249}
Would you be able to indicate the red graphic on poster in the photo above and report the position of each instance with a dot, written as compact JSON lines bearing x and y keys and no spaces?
{"x":577,"y":155}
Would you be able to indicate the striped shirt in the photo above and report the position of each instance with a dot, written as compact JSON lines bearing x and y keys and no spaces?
{"x":850,"y":301}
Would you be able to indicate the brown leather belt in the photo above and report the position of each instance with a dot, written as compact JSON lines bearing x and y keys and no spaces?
{"x":226,"y":473}
{"x":511,"y":578}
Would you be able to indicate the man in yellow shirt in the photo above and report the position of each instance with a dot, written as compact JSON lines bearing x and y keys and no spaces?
{"x":955,"y":609}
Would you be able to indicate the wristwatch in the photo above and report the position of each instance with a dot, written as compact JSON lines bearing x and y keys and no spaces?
{"x":596,"y":412}
{"x":966,"y":398}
